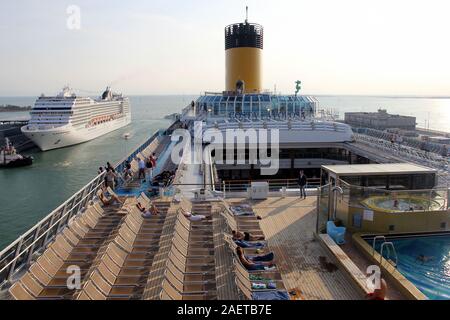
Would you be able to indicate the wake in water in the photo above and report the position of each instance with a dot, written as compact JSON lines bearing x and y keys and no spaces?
{"x":64,"y":164}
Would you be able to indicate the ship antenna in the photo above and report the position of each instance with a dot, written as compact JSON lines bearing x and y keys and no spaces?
{"x":246,"y":14}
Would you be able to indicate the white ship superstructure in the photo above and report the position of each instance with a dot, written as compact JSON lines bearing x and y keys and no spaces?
{"x":68,"y":119}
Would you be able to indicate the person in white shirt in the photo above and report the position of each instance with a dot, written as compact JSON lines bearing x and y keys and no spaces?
{"x":191,"y":217}
{"x":141,"y":165}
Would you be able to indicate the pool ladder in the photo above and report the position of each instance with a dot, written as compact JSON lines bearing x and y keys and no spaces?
{"x":388,"y":246}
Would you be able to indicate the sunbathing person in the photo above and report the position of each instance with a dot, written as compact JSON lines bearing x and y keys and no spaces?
{"x":192,"y":217}
{"x":113,"y":199}
{"x":250,"y":264}
{"x":237,"y":235}
{"x":146,"y":213}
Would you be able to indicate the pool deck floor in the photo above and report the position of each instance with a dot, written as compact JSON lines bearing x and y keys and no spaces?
{"x":289,"y":224}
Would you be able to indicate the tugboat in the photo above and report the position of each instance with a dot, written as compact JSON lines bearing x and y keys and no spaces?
{"x":9,"y":158}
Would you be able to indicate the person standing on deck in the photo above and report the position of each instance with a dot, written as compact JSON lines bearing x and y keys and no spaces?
{"x":109,"y":166}
{"x":149,"y":165}
{"x":302,"y":184}
{"x":127,"y":172}
{"x":141,"y":165}
{"x":153,"y":160}
{"x":110,"y":178}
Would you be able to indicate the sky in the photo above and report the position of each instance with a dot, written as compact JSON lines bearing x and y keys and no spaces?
{"x":358,"y":47}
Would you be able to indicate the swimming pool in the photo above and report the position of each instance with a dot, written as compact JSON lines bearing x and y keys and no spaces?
{"x":431,"y":277}
{"x":401,"y":204}
{"x":145,"y":187}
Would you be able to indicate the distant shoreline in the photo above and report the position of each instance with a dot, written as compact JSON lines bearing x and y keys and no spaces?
{"x":11,"y":108}
{"x":406,"y":96}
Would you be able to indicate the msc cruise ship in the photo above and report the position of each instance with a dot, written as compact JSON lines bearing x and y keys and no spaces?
{"x":68,"y":119}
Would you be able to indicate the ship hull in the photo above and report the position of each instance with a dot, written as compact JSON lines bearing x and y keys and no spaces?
{"x":65,"y":136}
{"x":26,"y":161}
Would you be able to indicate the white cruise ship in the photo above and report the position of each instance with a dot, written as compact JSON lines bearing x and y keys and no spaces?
{"x":68,"y":119}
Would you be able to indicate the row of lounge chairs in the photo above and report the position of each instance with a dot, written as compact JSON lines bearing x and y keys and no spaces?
{"x":110,"y":247}
{"x":77,"y":245}
{"x":253,"y":285}
{"x":190,"y":270}
{"x":115,"y":248}
{"x":122,"y":270}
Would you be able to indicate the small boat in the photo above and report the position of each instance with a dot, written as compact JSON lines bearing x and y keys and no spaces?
{"x":127,"y":136}
{"x":9,"y":158}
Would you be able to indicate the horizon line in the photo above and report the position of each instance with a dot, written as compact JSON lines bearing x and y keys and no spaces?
{"x":305,"y":94}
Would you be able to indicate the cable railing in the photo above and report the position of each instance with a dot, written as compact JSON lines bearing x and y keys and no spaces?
{"x":274,"y":184}
{"x":20,"y":253}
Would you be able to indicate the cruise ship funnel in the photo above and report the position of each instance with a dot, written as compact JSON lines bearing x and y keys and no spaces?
{"x":243,"y":57}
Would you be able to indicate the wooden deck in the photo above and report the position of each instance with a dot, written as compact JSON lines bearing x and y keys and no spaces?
{"x":156,"y":274}
{"x":306,"y":267}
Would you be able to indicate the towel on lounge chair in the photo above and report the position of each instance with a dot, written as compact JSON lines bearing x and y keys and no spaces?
{"x":242,"y":210}
{"x":270,"y":295}
{"x":259,"y":286}
{"x":263,"y":286}
{"x":246,"y":244}
{"x":254,"y":277}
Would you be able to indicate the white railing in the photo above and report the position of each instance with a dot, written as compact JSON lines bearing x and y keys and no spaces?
{"x":408,"y":153}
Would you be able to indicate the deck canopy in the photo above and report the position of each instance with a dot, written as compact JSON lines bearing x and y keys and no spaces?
{"x":385,"y":176}
{"x":256,"y":105}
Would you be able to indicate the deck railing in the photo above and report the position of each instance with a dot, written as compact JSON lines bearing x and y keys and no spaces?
{"x":274,"y":184}
{"x":19,"y":254}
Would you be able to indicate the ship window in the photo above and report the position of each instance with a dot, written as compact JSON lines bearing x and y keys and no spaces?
{"x":230,"y":104}
{"x":223,"y":107}
{"x":290,"y":107}
{"x":238,"y":107}
{"x":283,"y":106}
{"x":215,"y":105}
{"x":297,"y":107}
{"x":399,"y":182}
{"x":216,"y":108}
{"x":265,"y":109}
{"x":424,"y":181}
{"x":246,"y":109}
{"x":275,"y":105}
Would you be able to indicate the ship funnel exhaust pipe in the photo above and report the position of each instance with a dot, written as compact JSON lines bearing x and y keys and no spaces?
{"x":243,"y":57}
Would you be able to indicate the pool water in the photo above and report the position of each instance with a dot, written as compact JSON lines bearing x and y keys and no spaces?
{"x":401,"y":204}
{"x":145,"y":187}
{"x":431,"y":277}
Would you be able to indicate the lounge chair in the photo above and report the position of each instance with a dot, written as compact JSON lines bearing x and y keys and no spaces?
{"x":336,"y":233}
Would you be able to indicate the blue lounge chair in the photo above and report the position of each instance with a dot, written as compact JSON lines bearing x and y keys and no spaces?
{"x":336,"y":233}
